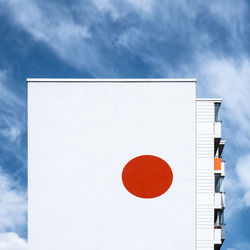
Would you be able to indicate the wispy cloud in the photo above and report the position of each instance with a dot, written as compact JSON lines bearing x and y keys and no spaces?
{"x":232,"y":18}
{"x":13,"y":203}
{"x":118,"y":9}
{"x":84,"y":34}
{"x":10,"y":106}
{"x":56,"y":27}
{"x":12,"y":122}
{"x":243,"y":173}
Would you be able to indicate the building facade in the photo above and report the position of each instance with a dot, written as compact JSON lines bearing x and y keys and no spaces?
{"x":118,"y":164}
{"x":210,"y":174}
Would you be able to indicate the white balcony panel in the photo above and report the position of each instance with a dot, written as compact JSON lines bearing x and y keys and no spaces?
{"x":217,"y":129}
{"x":217,"y":235}
{"x":219,"y":200}
{"x":222,"y":168}
{"x":223,"y":199}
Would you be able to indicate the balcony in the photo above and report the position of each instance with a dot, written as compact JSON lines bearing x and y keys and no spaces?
{"x":217,"y":129}
{"x":219,"y":234}
{"x":219,"y":167}
{"x":219,"y":200}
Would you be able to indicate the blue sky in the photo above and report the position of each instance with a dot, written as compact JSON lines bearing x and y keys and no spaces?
{"x":207,"y":40}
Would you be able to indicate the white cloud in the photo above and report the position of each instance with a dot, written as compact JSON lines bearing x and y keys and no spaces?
{"x":108,"y":6}
{"x":232,"y":18}
{"x":13,"y":204}
{"x":46,"y":23}
{"x":143,"y":6}
{"x":11,"y":133}
{"x":129,"y":38}
{"x":11,"y":241}
{"x":237,"y":185}
{"x":118,"y":9}
{"x":243,"y":173}
{"x":229,"y":79}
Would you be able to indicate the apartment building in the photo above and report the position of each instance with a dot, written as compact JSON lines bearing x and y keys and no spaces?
{"x":210,"y":174}
{"x":118,"y":164}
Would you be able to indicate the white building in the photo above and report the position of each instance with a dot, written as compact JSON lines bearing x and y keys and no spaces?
{"x":123,"y":164}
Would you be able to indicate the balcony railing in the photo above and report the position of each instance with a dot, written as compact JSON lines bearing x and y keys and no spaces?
{"x":219,"y":166}
{"x":219,"y":200}
{"x":219,"y":234}
{"x":222,"y":168}
{"x":217,"y":129}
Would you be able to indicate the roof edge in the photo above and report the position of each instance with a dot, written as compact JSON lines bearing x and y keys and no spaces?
{"x":111,"y":80}
{"x":210,"y":99}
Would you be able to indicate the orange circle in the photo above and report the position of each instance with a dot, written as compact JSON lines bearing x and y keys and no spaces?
{"x":147,"y":176}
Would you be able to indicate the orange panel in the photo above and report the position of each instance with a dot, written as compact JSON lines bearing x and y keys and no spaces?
{"x":217,"y":163}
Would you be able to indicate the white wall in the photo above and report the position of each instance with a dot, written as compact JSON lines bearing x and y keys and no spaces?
{"x":80,"y":136}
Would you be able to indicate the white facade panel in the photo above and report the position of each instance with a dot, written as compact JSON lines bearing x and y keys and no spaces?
{"x":206,"y":235}
{"x":205,"y":198}
{"x":80,"y":137}
{"x":205,"y":175}
{"x":205,"y":128}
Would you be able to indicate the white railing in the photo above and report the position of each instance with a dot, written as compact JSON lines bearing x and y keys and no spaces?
{"x":219,"y":200}
{"x":217,"y":129}
{"x":223,"y":199}
{"x":217,"y":235}
{"x":223,"y":168}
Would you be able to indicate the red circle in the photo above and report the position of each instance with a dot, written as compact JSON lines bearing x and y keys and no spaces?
{"x":147,"y":176}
